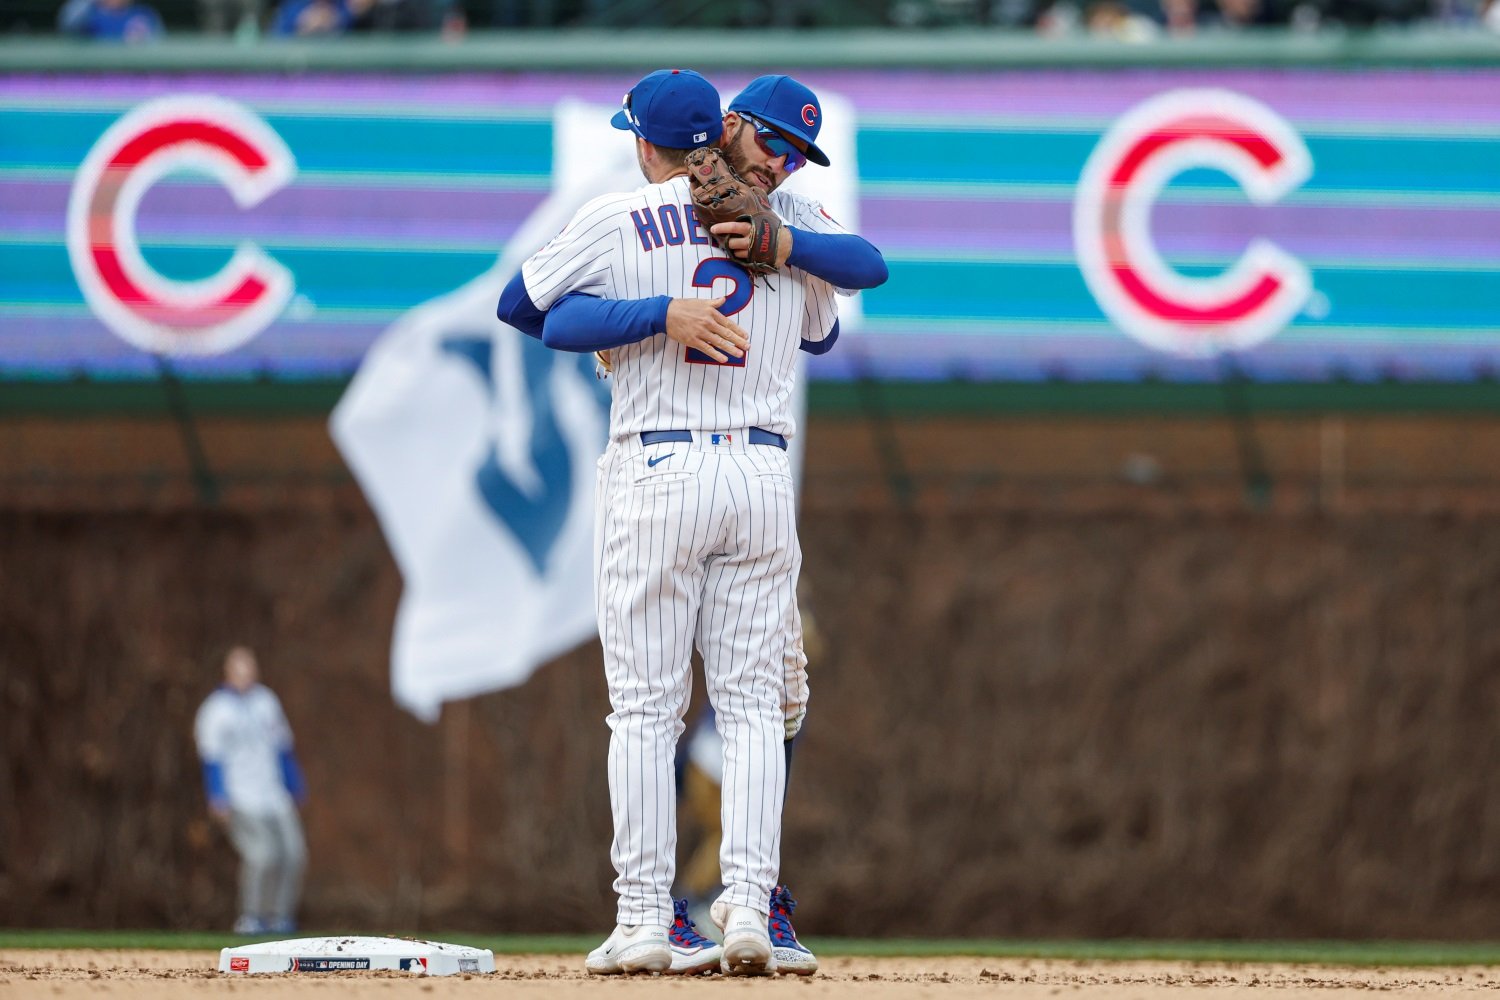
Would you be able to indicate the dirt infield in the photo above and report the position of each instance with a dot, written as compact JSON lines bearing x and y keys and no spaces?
{"x":181,"y":974}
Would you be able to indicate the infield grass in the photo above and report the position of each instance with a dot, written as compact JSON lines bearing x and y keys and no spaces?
{"x":1346,"y":953}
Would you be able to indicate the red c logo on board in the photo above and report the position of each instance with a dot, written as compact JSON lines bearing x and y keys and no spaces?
{"x":198,"y":134}
{"x":1152,"y":143}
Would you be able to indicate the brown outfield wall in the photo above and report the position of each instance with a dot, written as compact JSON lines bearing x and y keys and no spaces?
{"x":1043,"y":723}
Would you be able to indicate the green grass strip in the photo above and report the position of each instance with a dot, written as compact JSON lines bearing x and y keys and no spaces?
{"x":1347,"y":953}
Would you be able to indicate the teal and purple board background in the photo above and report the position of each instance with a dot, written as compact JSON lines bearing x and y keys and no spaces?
{"x":409,"y":186}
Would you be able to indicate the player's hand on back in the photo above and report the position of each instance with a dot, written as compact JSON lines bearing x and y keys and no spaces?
{"x":739,"y":240}
{"x":697,"y":323}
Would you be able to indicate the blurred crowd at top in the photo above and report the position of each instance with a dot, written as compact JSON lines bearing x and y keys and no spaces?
{"x":1127,"y":20}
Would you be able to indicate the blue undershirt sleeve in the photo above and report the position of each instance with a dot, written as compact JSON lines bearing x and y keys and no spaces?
{"x":581,"y":322}
{"x":213,"y":783}
{"x":517,"y":309}
{"x":822,"y":346}
{"x":291,"y":776}
{"x":842,"y":260}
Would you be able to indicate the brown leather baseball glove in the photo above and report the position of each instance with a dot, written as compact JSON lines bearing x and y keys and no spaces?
{"x":721,"y":195}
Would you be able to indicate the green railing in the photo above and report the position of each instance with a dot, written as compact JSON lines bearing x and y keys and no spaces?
{"x":748,"y":50}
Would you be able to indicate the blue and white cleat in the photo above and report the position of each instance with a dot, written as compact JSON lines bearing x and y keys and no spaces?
{"x":692,"y":953}
{"x":792,"y":957}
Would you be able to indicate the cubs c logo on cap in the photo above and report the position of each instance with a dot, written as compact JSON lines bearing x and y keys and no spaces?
{"x":196,"y":134}
{"x":1252,"y":300}
{"x":809,"y":116}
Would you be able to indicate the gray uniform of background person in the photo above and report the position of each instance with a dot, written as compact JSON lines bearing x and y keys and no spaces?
{"x":246,"y":734}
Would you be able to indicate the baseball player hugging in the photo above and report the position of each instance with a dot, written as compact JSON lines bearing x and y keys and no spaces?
{"x":695,"y":531}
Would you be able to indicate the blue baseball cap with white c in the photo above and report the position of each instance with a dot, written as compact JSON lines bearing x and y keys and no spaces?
{"x":789,"y":106}
{"x":676,"y":108}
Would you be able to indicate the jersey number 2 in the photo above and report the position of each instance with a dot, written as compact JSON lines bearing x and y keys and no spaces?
{"x":708,"y":272}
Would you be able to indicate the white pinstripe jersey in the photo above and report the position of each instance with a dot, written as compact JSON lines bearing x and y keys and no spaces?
{"x":245,"y":733}
{"x":648,"y":242}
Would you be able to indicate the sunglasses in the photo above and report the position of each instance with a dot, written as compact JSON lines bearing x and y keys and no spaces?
{"x":774,"y":144}
{"x":630,"y":118}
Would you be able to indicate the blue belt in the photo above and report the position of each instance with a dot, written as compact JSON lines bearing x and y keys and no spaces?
{"x":757,"y":436}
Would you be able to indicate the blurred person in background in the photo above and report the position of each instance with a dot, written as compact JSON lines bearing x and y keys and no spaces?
{"x":444,"y":16}
{"x":255,"y":787}
{"x":316,"y":18}
{"x":1058,"y":18}
{"x":1112,"y":19}
{"x":1236,"y":15}
{"x":1179,"y":17}
{"x":218,"y":17}
{"x":110,"y":20}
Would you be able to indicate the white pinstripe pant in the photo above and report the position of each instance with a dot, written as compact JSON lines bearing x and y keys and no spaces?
{"x":699,"y":546}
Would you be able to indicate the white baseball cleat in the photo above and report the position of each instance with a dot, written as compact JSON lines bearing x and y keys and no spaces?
{"x":631,"y":949}
{"x":747,"y":945}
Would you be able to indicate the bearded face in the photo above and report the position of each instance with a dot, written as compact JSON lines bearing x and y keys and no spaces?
{"x":736,"y":139}
{"x":751,"y":155}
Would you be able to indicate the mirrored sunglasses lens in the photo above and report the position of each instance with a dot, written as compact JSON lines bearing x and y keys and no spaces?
{"x":775,"y":145}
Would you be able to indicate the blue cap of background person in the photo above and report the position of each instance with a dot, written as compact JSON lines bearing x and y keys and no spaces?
{"x":787,"y":104}
{"x":675,"y":108}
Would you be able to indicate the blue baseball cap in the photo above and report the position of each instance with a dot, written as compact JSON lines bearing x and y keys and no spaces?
{"x":676,"y":108}
{"x":788,"y":105}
